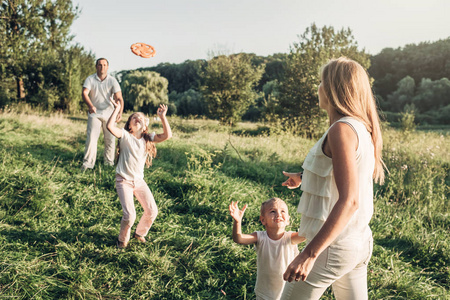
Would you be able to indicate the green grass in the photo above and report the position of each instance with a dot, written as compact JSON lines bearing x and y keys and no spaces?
{"x":58,"y":226}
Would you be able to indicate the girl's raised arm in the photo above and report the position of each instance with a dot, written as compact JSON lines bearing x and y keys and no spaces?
{"x":111,"y":125}
{"x":167,"y":132}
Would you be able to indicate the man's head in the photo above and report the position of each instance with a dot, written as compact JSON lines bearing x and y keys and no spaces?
{"x":102,"y":65}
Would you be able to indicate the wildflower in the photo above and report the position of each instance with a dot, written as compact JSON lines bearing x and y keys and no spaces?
{"x":404,"y":167}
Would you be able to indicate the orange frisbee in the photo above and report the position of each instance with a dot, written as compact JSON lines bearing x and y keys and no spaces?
{"x":143,"y":50}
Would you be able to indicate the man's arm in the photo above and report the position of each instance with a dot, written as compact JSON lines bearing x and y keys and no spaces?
{"x":87,"y":100}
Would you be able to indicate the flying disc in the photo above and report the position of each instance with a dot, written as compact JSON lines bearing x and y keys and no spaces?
{"x":143,"y":50}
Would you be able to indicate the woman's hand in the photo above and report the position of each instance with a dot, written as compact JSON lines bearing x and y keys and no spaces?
{"x":294,"y":180}
{"x":299,"y":268}
{"x":162,"y":110}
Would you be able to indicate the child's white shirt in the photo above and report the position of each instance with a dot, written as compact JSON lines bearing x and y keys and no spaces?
{"x":273,"y":257}
{"x":132,"y":156}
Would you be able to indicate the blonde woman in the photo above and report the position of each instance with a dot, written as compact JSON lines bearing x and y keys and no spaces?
{"x":337,"y":184}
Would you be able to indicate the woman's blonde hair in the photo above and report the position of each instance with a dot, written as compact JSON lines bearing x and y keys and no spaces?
{"x":150,"y":147}
{"x":346,"y":85}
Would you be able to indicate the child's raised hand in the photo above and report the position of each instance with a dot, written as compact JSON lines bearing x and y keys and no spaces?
{"x":116,"y":104}
{"x":162,"y":110}
{"x":235,"y":212}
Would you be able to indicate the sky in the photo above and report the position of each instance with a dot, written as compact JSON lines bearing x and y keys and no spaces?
{"x":181,"y":30}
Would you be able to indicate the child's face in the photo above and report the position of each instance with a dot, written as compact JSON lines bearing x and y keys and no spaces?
{"x":276,"y":215}
{"x":138,"y":122}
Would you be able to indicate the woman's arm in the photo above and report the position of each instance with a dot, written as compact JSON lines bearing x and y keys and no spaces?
{"x":294,"y":180}
{"x":111,"y":124}
{"x":167,"y":132}
{"x":342,"y":144}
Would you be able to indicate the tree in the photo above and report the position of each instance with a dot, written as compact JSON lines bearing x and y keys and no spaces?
{"x":144,"y":90}
{"x":30,"y":28}
{"x":274,"y":69}
{"x":298,"y":90}
{"x":189,"y":103}
{"x":228,"y":86}
{"x":402,"y":96}
{"x":424,"y":60}
{"x":271,"y":101}
{"x":432,"y":95}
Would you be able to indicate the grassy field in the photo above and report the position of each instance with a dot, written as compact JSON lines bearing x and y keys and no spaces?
{"x":58,"y":226}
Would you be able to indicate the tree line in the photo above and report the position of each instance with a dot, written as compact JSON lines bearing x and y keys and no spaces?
{"x":280,"y":88}
{"x":414,"y":78}
{"x":40,"y":64}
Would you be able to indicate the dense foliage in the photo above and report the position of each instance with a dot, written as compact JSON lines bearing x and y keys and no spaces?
{"x":228,"y":87}
{"x":37,"y":60}
{"x":414,"y":75}
{"x":299,"y":101}
{"x":144,"y":90}
{"x":40,"y":65}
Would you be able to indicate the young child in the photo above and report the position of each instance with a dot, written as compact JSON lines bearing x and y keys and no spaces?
{"x":275,"y":247}
{"x":136,"y":149}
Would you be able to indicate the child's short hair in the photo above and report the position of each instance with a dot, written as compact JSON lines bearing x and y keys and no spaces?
{"x":267,"y":202}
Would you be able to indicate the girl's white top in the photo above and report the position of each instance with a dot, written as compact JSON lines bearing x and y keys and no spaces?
{"x":132,"y":156}
{"x":320,"y":193}
{"x":273,"y":257}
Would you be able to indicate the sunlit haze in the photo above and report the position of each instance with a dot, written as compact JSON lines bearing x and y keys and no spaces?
{"x":188,"y":30}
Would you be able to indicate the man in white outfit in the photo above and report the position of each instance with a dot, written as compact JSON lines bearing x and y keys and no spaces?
{"x":97,"y":91}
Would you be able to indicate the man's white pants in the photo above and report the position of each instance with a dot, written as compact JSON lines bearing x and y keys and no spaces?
{"x":95,"y":124}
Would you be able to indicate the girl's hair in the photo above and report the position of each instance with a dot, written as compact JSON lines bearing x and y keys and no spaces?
{"x":150,"y":147}
{"x":346,"y":85}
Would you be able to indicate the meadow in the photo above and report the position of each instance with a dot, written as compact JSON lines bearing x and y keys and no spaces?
{"x":58,"y":225}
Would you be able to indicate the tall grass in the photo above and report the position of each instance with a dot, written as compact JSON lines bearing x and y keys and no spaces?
{"x":58,"y":226}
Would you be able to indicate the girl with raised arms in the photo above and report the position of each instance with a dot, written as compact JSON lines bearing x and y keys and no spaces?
{"x":136,"y":149}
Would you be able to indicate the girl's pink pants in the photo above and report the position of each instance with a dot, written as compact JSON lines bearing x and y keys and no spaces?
{"x":126,"y":189}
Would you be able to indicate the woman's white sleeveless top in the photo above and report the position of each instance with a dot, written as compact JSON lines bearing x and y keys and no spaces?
{"x":320,"y":193}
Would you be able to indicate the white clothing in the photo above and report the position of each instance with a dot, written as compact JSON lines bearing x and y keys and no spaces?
{"x":100,"y":93}
{"x":94,"y":126}
{"x":343,"y":267}
{"x":132,"y":156}
{"x":320,"y":192}
{"x":343,"y":264}
{"x":273,"y":257}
